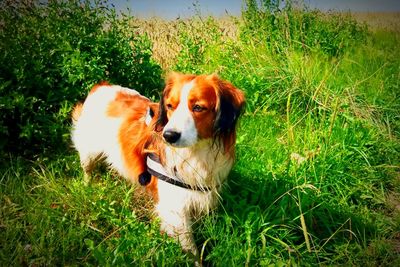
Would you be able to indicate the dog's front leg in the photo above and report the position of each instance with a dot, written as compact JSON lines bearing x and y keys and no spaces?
{"x":177,"y":224}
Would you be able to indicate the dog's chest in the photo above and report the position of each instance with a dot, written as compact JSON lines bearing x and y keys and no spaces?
{"x":200,"y":166}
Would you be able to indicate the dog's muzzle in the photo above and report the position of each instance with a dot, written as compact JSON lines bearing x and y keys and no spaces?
{"x":171,"y":136}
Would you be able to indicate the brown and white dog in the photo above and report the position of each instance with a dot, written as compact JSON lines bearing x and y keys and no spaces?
{"x":192,"y":133}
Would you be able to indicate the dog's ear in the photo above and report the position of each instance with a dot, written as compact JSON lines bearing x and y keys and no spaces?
{"x":231,"y":103}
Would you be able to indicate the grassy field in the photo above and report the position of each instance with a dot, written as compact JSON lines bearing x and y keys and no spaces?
{"x":389,"y":21}
{"x":317,"y":177}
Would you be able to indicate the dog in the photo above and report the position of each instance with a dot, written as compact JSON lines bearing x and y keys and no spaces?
{"x":181,"y":150}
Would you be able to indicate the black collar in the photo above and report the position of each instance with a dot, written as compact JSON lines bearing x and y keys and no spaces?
{"x":155,"y":168}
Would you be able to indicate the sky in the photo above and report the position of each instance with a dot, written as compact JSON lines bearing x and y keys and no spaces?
{"x":171,"y":9}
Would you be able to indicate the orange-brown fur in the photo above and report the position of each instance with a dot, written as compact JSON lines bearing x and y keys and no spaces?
{"x":134,"y":134}
{"x":237,"y":98}
{"x":206,"y":97}
{"x":76,"y":111}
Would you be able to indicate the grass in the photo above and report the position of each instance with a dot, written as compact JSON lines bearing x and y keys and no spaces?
{"x":317,"y":177}
{"x":378,"y":20}
{"x":168,"y":37}
{"x":336,"y":197}
{"x":50,"y":218}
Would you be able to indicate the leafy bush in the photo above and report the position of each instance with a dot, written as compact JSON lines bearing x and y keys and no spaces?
{"x":51,"y":55}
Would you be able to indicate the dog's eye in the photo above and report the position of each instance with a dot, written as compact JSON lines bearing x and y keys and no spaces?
{"x":169,"y":107}
{"x":198,"y":108}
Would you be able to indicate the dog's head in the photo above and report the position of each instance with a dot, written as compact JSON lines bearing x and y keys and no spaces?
{"x":194,"y":108}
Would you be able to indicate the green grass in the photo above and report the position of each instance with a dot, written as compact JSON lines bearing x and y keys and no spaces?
{"x":317,"y":176}
{"x":49,"y":216}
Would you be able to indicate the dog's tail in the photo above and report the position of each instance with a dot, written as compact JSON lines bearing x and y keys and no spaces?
{"x":76,"y":112}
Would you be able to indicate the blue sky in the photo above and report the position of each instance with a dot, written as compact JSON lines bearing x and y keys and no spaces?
{"x":171,"y":9}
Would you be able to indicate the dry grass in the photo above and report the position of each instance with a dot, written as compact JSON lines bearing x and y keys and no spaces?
{"x":166,"y":36}
{"x":380,"y":20}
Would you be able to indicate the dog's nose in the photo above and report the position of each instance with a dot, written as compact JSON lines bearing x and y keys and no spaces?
{"x":171,"y":136}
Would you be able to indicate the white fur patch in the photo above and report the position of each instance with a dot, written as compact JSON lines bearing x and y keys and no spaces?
{"x":95,"y":133}
{"x":148,"y":117}
{"x":201,"y":164}
{"x":182,"y":121}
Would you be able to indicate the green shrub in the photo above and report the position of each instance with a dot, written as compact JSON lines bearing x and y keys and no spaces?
{"x":51,"y":54}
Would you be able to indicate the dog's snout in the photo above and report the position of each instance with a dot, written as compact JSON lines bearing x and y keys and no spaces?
{"x":171,"y":136}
